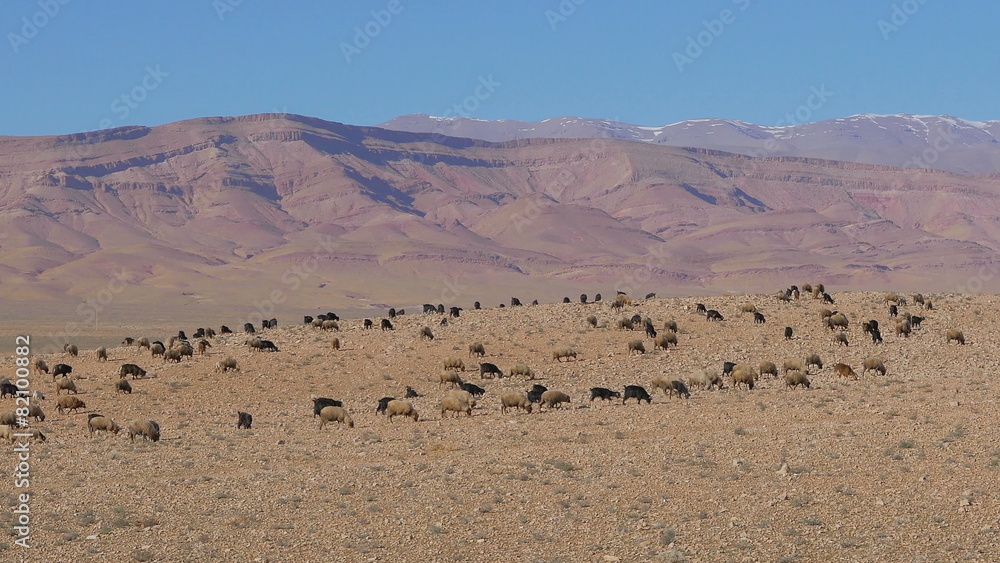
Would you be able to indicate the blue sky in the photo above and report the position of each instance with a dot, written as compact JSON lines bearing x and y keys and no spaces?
{"x":70,"y":65}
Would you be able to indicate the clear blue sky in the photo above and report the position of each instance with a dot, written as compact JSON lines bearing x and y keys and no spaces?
{"x":615,"y":60}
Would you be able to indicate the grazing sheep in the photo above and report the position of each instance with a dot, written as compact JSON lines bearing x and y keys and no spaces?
{"x":844,"y":370}
{"x":535,"y":393}
{"x":714,"y":315}
{"x":96,"y":422}
{"x":158,"y":349}
{"x":956,"y":335}
{"x":401,"y":408}
{"x":837,"y":320}
{"x":329,"y":325}
{"x":462,"y":394}
{"x":7,"y":432}
{"x":472,"y":389}
{"x":603,"y":393}
{"x":131,"y":369}
{"x":918,"y":298}
{"x":9,"y":419}
{"x":824,"y":313}
{"x":768,"y":368}
{"x":796,"y":378}
{"x":891,"y":297}
{"x":69,"y":403}
{"x":700,"y":308}
{"x":172,"y":355}
{"x":758,"y":318}
{"x":335,"y":414}
{"x":592,"y":321}
{"x":553,"y":398}
{"x":148,"y":429}
{"x":123,"y":386}
{"x":662,"y":383}
{"x":841,"y":338}
{"x":903,"y":328}
{"x":477,"y":349}
{"x":456,"y":404}
{"x":813,"y":360}
{"x":488,"y":368}
{"x":129,"y":341}
{"x":624,"y":324}
{"x":638,"y":393}
{"x":816,"y":292}
{"x":636,"y":346}
{"x":266,"y":346}
{"x":318,"y":322}
{"x":522,"y":369}
{"x":35,"y":411}
{"x":320,"y":402}
{"x":426,"y":332}
{"x":244,"y":420}
{"x":66,"y":383}
{"x":40,"y":366}
{"x":101,"y":354}
{"x":561,"y":353}
{"x":793,"y":364}
{"x":203,"y":345}
{"x":71,"y":349}
{"x":515,"y":400}
{"x":664,"y":340}
{"x":454,"y":364}
{"x":621,"y":300}
{"x":225,"y":365}
{"x":450,"y":377}
{"x":743,"y":377}
{"x":411,"y":393}
{"x":386,"y":325}
{"x":873,"y":364}
{"x":209,"y":333}
{"x":670,"y":325}
{"x":748,"y":308}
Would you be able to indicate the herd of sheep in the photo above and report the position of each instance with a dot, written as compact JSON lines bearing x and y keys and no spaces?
{"x":463,"y":396}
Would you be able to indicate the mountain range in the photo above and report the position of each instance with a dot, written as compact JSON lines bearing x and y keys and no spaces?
{"x":279,"y":212}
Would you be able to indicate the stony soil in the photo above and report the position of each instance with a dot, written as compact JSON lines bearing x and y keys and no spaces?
{"x":901,"y":467}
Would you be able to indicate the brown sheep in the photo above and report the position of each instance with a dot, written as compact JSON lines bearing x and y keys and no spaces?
{"x":807,"y":288}
{"x":69,"y":403}
{"x":704,"y":379}
{"x":335,"y":344}
{"x":561,"y":353}
{"x":768,"y":368}
{"x":795,"y":378}
{"x":592,"y":321}
{"x":515,"y":400}
{"x":123,"y":386}
{"x":956,"y":335}
{"x":148,"y":429}
{"x":203,"y":345}
{"x":841,"y":338}
{"x":454,"y":364}
{"x":477,"y":349}
{"x":837,"y":320}
{"x":663,"y":383}
{"x":918,"y":298}
{"x":891,"y":298}
{"x":903,"y":328}
{"x":664,"y":340}
{"x":101,"y":354}
{"x":743,"y":377}
{"x":71,"y":349}
{"x":824,"y":313}
{"x":813,"y":360}
{"x":450,"y":377}
{"x":226,"y":365}
{"x":335,"y":414}
{"x":172,"y":355}
{"x":401,"y":408}
{"x":844,"y":370}
{"x":452,"y":403}
{"x":817,"y":292}
{"x":96,"y":423}
{"x":426,"y":333}
{"x":157,"y":349}
{"x":142,"y":343}
{"x":329,"y":325}
{"x":65,"y":383}
{"x":522,"y":369}
{"x":40,"y":366}
{"x":624,"y":324}
{"x":748,"y":308}
{"x":636,"y":346}
{"x":554,"y":398}
{"x":793,"y":365}
{"x":873,"y":364}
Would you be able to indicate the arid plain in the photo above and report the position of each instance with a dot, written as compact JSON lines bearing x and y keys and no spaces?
{"x":900,"y":467}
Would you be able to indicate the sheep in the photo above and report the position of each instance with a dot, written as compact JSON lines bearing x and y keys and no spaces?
{"x":621,"y":300}
{"x":788,"y":333}
{"x":638,"y":393}
{"x":66,"y":383}
{"x":454,"y":364}
{"x":636,"y":346}
{"x":488,"y":368}
{"x":603,"y":393}
{"x":71,"y":349}
{"x":386,"y":325}
{"x":142,"y":342}
{"x":873,"y":364}
{"x":795,"y":378}
{"x":664,"y":341}
{"x":624,"y":324}
{"x":131,"y":369}
{"x":813,"y":360}
{"x":157,"y":349}
{"x":455,"y":404}
{"x":129,"y":341}
{"x":553,"y":398}
{"x":148,"y":429}
{"x":401,"y":408}
{"x":477,"y":349}
{"x":426,"y":332}
{"x":203,"y":345}
{"x":123,"y":386}
{"x":561,"y":353}
{"x":320,"y":402}
{"x":890,"y":297}
{"x":748,"y":308}
{"x":472,"y":389}
{"x":670,"y":325}
{"x":743,"y":377}
{"x":844,"y":370}
{"x":956,"y":335}
{"x":817,"y":292}
{"x":928,"y":305}
{"x":96,"y":422}
{"x":450,"y":377}
{"x":793,"y":364}
{"x":7,"y":432}
{"x":209,"y":333}
{"x":9,"y":419}
{"x":101,"y":354}
{"x":36,"y":411}
{"x":664,"y":384}
{"x":329,"y":325}
{"x":841,"y":338}
{"x":700,"y":308}
{"x":263,"y":345}
{"x":69,"y":403}
{"x":225,"y":365}
{"x":837,"y":320}
{"x":714,"y":315}
{"x":592,"y":321}
{"x":411,"y":393}
{"x":903,"y":328}
{"x":40,"y":366}
{"x":747,"y":369}
{"x":335,"y":414}
{"x":244,"y":420}
{"x":768,"y":368}
{"x":522,"y":369}
{"x":758,"y":318}
{"x":918,"y":298}
{"x":172,"y":355}
{"x":318,"y":322}
{"x":462,"y":394}
{"x":515,"y":400}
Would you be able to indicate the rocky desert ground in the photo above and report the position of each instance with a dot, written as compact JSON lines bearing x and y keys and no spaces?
{"x":895,"y":467}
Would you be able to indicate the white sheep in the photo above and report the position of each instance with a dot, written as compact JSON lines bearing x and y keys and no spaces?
{"x":338,"y":414}
{"x":401,"y":408}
